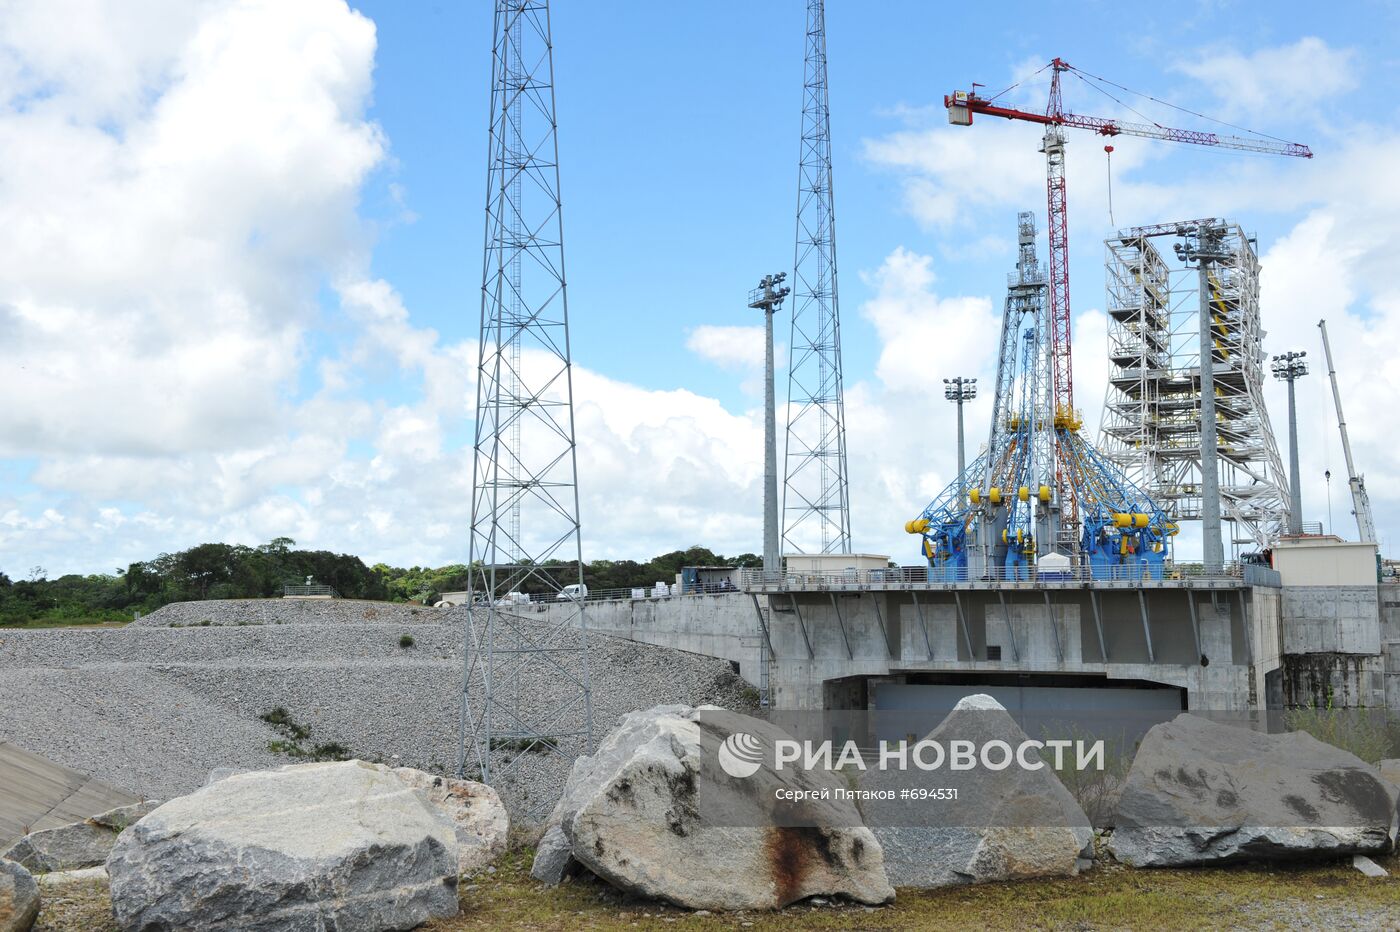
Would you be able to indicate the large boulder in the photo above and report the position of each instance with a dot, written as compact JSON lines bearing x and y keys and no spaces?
{"x":78,"y":845}
{"x":1202,"y":792}
{"x":19,"y":898}
{"x":1005,"y":824}
{"x":345,"y":846}
{"x":653,"y":813}
{"x":476,"y":812}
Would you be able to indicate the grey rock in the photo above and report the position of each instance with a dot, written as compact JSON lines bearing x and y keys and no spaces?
{"x":77,"y":845}
{"x":1201,"y":792}
{"x":66,"y":878}
{"x":476,"y":812}
{"x":1005,"y":824}
{"x":1390,"y":769}
{"x":1368,"y":867}
{"x":554,"y":857}
{"x":344,"y":846}
{"x":19,"y":898}
{"x":653,"y":813}
{"x":223,"y":773}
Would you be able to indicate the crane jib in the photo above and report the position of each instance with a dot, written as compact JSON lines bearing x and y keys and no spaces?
{"x":1108,"y":127}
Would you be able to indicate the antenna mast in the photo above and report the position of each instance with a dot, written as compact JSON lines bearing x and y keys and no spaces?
{"x":816,"y":499}
{"x":525,"y":686}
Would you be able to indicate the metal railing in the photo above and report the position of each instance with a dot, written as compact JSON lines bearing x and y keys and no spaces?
{"x":636,"y":593}
{"x":905,"y":577}
{"x":305,"y":592}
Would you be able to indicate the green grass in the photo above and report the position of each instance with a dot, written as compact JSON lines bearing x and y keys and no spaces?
{"x":91,"y":622}
{"x":282,"y":720}
{"x":1257,"y":896}
{"x":1370,"y":734}
{"x":296,"y":734}
{"x":1248,"y":896}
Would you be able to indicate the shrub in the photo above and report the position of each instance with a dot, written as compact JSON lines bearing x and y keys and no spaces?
{"x":406,"y":641}
{"x":1370,"y":734}
{"x":281,"y":719}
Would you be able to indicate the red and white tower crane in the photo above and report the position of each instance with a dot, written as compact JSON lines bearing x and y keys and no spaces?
{"x":962,"y":105}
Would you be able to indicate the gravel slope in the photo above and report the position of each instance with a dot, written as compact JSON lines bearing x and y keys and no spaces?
{"x":286,"y":612}
{"x":153,"y":708}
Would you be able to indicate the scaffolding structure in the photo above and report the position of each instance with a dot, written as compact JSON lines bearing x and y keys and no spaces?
{"x":816,"y":492}
{"x":1152,"y":419}
{"x":525,"y":687}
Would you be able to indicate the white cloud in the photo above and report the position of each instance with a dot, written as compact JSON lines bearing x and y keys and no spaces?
{"x":1304,"y":78}
{"x":924,"y":337}
{"x":730,"y":347}
{"x":157,"y":272}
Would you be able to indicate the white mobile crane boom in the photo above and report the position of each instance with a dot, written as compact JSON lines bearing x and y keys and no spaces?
{"x":1360,"y":501}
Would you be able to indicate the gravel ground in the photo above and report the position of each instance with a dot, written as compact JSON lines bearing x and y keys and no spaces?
{"x":154,"y":708}
{"x":286,"y":612}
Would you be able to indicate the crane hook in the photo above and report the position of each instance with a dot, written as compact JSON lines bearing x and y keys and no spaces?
{"x":1108,"y":151}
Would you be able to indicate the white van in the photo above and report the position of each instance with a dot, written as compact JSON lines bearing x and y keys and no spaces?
{"x":573,"y":592}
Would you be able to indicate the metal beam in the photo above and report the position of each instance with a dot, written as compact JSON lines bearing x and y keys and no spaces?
{"x":1195,"y":623}
{"x":1098,"y":623}
{"x":1006,"y":613}
{"x":923,"y":623}
{"x":1244,"y":630}
{"x":763,"y":625}
{"x":880,"y":617}
{"x":850,"y":655}
{"x":962,"y":621}
{"x":1054,"y":628}
{"x":1146,"y":626}
{"x":797,"y":610}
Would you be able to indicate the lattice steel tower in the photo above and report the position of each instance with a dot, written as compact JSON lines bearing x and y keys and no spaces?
{"x":525,"y":695}
{"x":816,"y":500}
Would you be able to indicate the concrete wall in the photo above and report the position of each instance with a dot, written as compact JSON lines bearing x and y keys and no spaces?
{"x":1389,"y":596}
{"x":1332,"y":640}
{"x":1262,"y":647}
{"x":906,"y":634}
{"x":1331,"y":619}
{"x":723,"y":625}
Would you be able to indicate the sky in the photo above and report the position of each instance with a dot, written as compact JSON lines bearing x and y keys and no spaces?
{"x":240,"y":252}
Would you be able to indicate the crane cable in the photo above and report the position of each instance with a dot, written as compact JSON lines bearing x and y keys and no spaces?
{"x":1166,"y":103}
{"x":1108,"y":151}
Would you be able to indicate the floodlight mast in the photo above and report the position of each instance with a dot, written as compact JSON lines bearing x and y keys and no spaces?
{"x":768,"y":297}
{"x":1289,"y":367}
{"x":960,"y":390}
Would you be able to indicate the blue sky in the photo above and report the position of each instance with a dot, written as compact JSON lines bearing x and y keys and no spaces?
{"x":288,"y":348}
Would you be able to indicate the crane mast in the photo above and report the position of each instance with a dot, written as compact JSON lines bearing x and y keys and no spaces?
{"x":1061,"y":361}
{"x":1360,"y":500}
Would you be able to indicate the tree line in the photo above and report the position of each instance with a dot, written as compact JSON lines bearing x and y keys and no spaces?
{"x":235,"y":571}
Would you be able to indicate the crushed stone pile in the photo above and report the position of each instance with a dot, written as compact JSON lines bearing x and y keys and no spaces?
{"x":152,"y":708}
